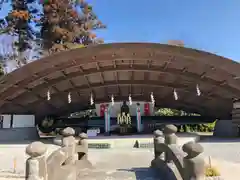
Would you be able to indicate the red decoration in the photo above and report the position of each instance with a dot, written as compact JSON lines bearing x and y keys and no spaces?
{"x":102,"y":110}
{"x":74,"y":13}
{"x":146,"y":109}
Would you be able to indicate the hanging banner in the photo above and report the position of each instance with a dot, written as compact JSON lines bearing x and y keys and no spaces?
{"x":146,"y":109}
{"x":102,"y":110}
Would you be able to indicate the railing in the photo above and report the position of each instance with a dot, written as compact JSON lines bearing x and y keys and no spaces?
{"x":62,"y":163}
{"x":172,"y":162}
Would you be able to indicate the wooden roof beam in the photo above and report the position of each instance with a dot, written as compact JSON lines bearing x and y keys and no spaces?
{"x":70,"y":81}
{"x":126,"y":68}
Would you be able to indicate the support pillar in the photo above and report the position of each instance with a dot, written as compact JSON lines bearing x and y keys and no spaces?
{"x":139,"y":121}
{"x":107,"y":119}
{"x":11,"y":121}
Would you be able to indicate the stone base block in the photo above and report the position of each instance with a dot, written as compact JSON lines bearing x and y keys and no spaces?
{"x":225,"y":128}
{"x":16,"y":135}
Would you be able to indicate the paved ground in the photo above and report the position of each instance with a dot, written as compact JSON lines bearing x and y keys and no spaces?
{"x":129,"y":163}
{"x":225,"y":155}
{"x":124,"y":164}
{"x":109,"y":164}
{"x":223,"y":150}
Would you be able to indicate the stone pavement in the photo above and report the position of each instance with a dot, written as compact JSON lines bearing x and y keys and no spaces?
{"x":227,"y":151}
{"x":112,"y":164}
{"x":125,"y":163}
{"x":225,"y":156}
{"x":228,"y":170}
{"x":120,"y":174}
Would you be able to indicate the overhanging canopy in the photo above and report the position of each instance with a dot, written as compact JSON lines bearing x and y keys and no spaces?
{"x":121,"y":69}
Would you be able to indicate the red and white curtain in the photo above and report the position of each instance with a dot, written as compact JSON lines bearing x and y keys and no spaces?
{"x":102,"y":110}
{"x":146,"y":109}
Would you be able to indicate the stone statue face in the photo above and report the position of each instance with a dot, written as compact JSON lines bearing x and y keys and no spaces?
{"x":124,"y":103}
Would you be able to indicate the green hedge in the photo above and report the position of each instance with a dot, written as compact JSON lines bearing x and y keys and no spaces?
{"x":197,"y":127}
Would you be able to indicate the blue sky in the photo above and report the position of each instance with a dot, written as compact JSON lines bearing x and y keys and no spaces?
{"x":210,"y":25}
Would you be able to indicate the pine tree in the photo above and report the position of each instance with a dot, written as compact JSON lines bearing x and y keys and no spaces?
{"x":63,"y":27}
{"x":17,"y":24}
{"x":60,"y":26}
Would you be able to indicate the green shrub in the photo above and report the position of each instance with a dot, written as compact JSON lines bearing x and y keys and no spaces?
{"x":211,"y":126}
{"x":197,"y":127}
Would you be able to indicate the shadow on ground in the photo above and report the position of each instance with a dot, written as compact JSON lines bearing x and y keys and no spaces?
{"x":119,"y":174}
{"x":141,"y":173}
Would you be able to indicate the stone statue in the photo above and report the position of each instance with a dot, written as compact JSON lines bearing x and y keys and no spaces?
{"x":125,"y":108}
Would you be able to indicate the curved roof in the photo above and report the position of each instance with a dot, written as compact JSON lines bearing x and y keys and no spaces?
{"x":122,"y":69}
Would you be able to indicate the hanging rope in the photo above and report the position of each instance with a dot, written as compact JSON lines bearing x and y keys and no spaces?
{"x":69,"y":98}
{"x":130,"y":99}
{"x":198,"y":90}
{"x":48,"y":95}
{"x":152,"y":99}
{"x":175,"y":94}
{"x":112,"y":99}
{"x":91,"y":100}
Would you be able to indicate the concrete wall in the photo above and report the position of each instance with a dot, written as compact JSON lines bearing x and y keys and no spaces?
{"x":19,"y":121}
{"x":23,"y":128}
{"x":6,"y":121}
{"x":236,"y":105}
{"x":18,"y":135}
{"x":223,"y":128}
{"x":116,"y":109}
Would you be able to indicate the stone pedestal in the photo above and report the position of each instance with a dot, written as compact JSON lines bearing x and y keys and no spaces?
{"x":236,"y":113}
{"x":229,"y":128}
{"x":224,"y":128}
{"x":236,"y":117}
